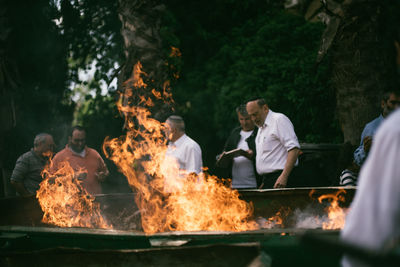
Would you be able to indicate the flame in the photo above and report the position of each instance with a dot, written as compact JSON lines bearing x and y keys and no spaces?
{"x":65,"y":202}
{"x":336,"y":214}
{"x":169,"y":198}
{"x":275,"y":221}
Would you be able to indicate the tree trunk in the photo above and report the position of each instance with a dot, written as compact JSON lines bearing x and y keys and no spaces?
{"x":361,"y":43}
{"x":141,"y":23}
{"x":8,"y":85}
{"x":363,"y":65}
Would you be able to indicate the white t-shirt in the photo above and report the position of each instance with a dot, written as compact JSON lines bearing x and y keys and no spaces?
{"x":374,"y":218}
{"x":273,"y":141}
{"x":242,"y":169}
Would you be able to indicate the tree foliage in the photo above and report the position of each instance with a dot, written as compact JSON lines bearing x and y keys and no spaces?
{"x":270,"y":54}
{"x":36,"y":52}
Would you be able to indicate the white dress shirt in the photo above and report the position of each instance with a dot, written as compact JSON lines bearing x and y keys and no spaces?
{"x":273,"y":141}
{"x":374,"y":218}
{"x":187,"y":153}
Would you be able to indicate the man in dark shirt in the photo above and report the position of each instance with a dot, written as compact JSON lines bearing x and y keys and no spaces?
{"x":26,"y":175}
{"x":242,"y":168}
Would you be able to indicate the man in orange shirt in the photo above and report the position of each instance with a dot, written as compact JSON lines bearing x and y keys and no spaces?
{"x":82,"y":158}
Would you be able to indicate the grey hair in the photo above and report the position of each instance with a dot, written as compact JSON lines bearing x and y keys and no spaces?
{"x":242,"y":110}
{"x":177,"y":122}
{"x":260,"y":101}
{"x":40,"y":139}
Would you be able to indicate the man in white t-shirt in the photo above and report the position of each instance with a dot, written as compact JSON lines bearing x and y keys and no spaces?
{"x":277,"y":147}
{"x":374,"y":217}
{"x":242,"y":168}
{"x":181,"y":147}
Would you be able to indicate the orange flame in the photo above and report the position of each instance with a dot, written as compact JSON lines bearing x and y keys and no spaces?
{"x":336,"y":214}
{"x":65,"y":202}
{"x":170,"y":199}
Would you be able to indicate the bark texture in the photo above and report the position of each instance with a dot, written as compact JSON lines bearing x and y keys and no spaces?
{"x":141,"y":24}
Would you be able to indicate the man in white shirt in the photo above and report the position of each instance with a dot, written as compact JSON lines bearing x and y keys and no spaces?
{"x":181,"y":147}
{"x":374,"y":218}
{"x":277,"y":146}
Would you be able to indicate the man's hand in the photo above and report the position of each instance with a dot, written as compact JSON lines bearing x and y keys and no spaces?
{"x":281,"y":181}
{"x":367,"y":142}
{"x":248,"y":154}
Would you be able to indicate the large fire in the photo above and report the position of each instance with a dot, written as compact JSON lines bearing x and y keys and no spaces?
{"x":169,"y":199}
{"x":65,"y":202}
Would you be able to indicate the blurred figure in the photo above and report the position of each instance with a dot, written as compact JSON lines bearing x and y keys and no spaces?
{"x":26,"y":175}
{"x":374,"y":218}
{"x":276,"y":144}
{"x":81,"y":157}
{"x":348,"y":176}
{"x":390,"y":101}
{"x":242,"y":168}
{"x":181,"y":147}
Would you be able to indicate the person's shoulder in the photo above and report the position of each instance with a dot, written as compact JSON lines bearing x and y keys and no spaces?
{"x":92,"y":151}
{"x":374,"y":122}
{"x":280,"y":117}
{"x":26,"y":156}
{"x":190,"y":142}
{"x":60,"y":155}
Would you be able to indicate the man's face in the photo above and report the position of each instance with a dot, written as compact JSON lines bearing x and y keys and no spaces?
{"x":169,"y":130}
{"x":47,"y":147}
{"x":257,"y":113}
{"x":78,"y":140}
{"x":391,"y":104}
{"x":245,"y":122}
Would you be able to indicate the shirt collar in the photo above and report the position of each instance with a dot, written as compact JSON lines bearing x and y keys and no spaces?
{"x":82,"y":154}
{"x":268,"y":119}
{"x":179,"y":141}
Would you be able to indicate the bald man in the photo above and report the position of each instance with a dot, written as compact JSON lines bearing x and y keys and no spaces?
{"x":277,"y":145}
{"x":183,"y":148}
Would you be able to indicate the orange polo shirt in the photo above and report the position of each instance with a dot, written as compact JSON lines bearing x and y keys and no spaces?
{"x":91,"y":162}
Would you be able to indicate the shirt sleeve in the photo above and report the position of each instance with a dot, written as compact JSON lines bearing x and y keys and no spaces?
{"x":20,"y":170}
{"x":194,"y":162}
{"x":359,"y":153}
{"x":287,"y":136}
{"x":102,"y":164}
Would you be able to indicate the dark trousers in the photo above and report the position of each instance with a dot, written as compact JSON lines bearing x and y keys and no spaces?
{"x":269,"y":179}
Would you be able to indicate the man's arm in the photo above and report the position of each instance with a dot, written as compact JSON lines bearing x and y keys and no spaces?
{"x":102,"y":171}
{"x":20,"y":188}
{"x":18,"y":176}
{"x":194,"y":161}
{"x":290,"y":162}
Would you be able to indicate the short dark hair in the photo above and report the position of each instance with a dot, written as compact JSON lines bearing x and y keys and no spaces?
{"x":386,"y":94}
{"x":40,"y":139}
{"x":260,"y":100}
{"x":76,"y":127}
{"x":177,"y":122}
